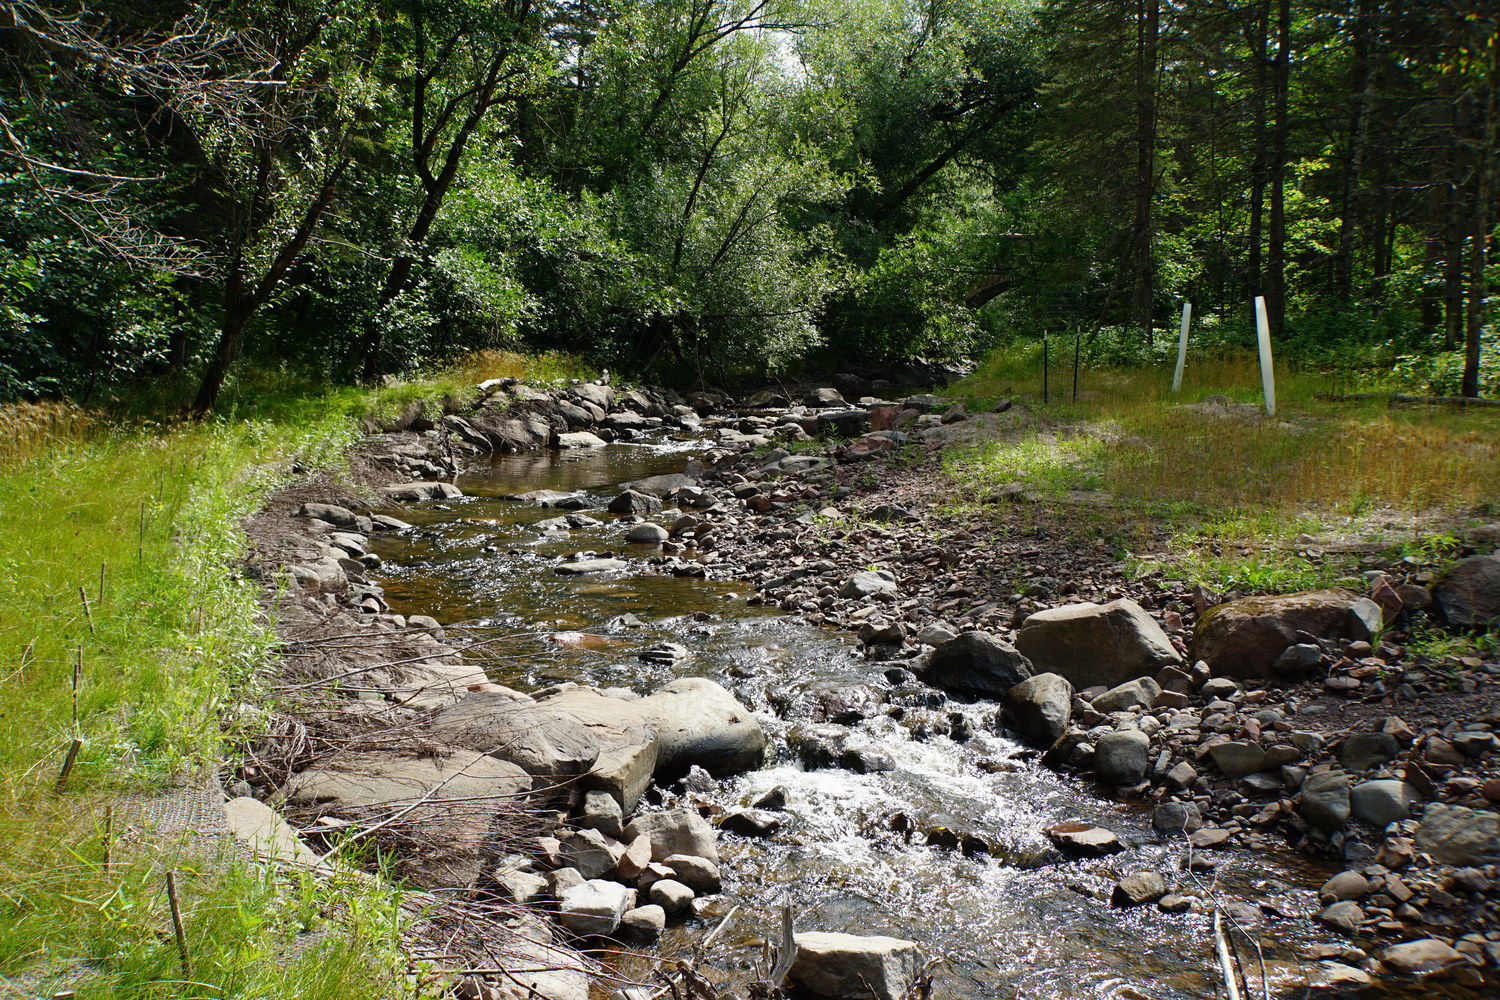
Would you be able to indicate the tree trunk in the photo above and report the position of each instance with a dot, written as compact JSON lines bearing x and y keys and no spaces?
{"x":1362,"y":94}
{"x":1148,"y":29}
{"x":1453,"y":261}
{"x":1276,"y":252}
{"x":1480,"y":238}
{"x":1439,"y":211}
{"x":238,"y":309}
{"x":1255,"y":284}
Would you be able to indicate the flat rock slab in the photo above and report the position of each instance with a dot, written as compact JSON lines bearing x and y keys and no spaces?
{"x":1081,"y":840}
{"x":262,"y":829}
{"x":415,"y":492}
{"x":658,"y":485}
{"x":850,"y":966}
{"x":583,"y":567}
{"x":455,"y":800}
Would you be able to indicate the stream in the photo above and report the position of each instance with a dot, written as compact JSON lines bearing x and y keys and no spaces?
{"x":1005,"y":930}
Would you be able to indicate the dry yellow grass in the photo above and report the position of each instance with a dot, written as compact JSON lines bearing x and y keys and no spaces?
{"x":29,"y":429}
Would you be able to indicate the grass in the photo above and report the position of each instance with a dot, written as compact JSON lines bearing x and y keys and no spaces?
{"x":127,"y":625}
{"x":1250,"y":481}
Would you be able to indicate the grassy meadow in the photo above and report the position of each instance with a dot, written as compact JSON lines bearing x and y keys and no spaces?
{"x":1232,"y":490}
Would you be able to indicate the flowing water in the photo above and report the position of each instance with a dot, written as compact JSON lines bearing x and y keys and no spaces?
{"x":1005,"y":930}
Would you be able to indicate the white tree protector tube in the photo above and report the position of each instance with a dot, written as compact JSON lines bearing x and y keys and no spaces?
{"x":1187,"y":319}
{"x":1267,"y":378}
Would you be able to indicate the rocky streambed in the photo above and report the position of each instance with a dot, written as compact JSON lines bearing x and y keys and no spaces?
{"x":1033,"y":779}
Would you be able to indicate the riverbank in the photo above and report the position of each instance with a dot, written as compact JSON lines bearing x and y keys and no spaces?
{"x":937,"y":597}
{"x":383,"y":721}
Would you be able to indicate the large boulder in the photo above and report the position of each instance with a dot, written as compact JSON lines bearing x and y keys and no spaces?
{"x":977,"y":663}
{"x":595,"y":907}
{"x":262,"y":829}
{"x":1093,"y":644}
{"x":1039,"y":708}
{"x":455,"y":799}
{"x":508,"y":725}
{"x":625,"y":734}
{"x":699,"y":722}
{"x":1324,"y":800}
{"x":1243,"y":638}
{"x":849,"y":966}
{"x":1120,"y":757}
{"x":674,"y":831}
{"x":1460,"y":836}
{"x":659,"y":485}
{"x":1469,"y":593}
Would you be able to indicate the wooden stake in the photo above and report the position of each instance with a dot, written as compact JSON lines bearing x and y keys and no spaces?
{"x":67,"y":768}
{"x":77,"y":682}
{"x":109,"y":834}
{"x":100,"y":598}
{"x":182,"y":945}
{"x":88,"y":612}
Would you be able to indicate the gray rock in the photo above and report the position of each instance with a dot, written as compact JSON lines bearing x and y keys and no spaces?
{"x":262,"y":829}
{"x":851,"y":967}
{"x":591,"y":853}
{"x":1081,"y":840}
{"x":1237,"y":759}
{"x":660,"y":485}
{"x":342,"y":517}
{"x":595,"y":907}
{"x":1458,"y":835}
{"x":525,"y":888}
{"x":1138,"y":889}
{"x":935,"y":635}
{"x":698,"y":874}
{"x":580,"y":439}
{"x":416,"y":492}
{"x":868,"y":584}
{"x":1182,"y":775}
{"x":675,"y":831}
{"x":1382,"y":802}
{"x":1243,"y":638}
{"x":646,"y":534}
{"x":1120,"y":757}
{"x":1096,"y":643}
{"x":454,"y":846}
{"x":644,"y":923}
{"x":509,"y":726}
{"x":563,"y":879}
{"x":1345,"y":885}
{"x":583,"y":567}
{"x":1342,"y":916}
{"x":977,"y":663}
{"x":1324,"y":800}
{"x":671,"y":895}
{"x":602,"y":812}
{"x":1366,"y":750}
{"x":1133,"y":694}
{"x":1297,"y":660}
{"x":760,"y":823}
{"x":699,"y":722}
{"x":634,"y":502}
{"x":1469,"y":593}
{"x":1420,"y":958}
{"x":1219,"y":689}
{"x":624,"y":732}
{"x":1177,"y":819}
{"x":1039,"y":707}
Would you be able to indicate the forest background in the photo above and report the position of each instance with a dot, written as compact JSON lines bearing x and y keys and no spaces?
{"x":718,"y":191}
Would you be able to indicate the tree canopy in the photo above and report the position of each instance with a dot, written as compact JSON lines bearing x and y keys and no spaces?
{"x":718,"y":190}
